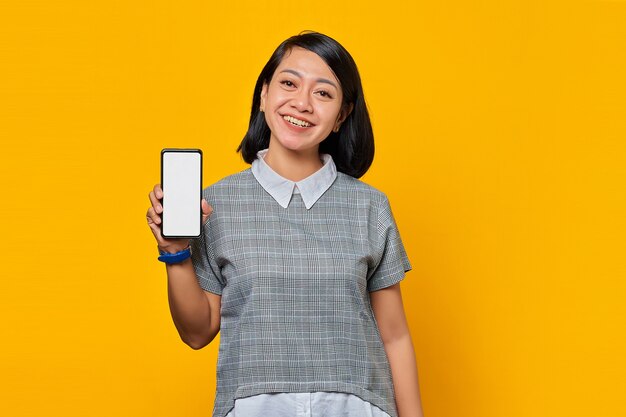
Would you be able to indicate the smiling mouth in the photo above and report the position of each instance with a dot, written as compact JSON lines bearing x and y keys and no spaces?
{"x":297,"y":122}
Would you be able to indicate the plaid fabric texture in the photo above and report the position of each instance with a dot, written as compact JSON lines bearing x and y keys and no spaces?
{"x":296,"y":314}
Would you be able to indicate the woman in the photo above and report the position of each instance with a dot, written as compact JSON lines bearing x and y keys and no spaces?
{"x":299,"y":262}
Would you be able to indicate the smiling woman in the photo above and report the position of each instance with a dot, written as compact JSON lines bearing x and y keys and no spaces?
{"x":301,"y":104}
{"x":311,"y":78}
{"x":299,"y":262}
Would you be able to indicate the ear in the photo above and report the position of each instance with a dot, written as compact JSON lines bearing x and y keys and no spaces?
{"x":263,"y":96}
{"x":344,"y":113}
{"x":347,"y":112}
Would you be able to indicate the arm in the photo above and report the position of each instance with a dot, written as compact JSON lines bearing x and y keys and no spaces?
{"x":394,"y":331}
{"x":196,"y":313}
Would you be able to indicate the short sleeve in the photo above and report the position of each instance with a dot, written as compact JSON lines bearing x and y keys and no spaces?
{"x":207,"y":270}
{"x":390,"y":258}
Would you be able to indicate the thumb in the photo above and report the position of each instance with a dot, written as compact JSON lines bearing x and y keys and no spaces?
{"x":206,"y":210}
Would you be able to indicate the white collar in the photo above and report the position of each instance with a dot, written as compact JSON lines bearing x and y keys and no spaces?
{"x":311,"y":188}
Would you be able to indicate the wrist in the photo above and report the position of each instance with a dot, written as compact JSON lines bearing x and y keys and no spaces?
{"x":172,"y":248}
{"x":177,"y":264}
{"x":174,"y":257}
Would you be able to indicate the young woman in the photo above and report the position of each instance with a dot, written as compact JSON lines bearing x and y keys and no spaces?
{"x":299,"y":262}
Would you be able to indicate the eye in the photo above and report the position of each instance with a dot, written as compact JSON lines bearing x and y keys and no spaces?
{"x":325,"y":93}
{"x":287,"y":83}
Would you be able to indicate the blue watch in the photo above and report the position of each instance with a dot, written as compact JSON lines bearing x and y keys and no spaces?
{"x":174,"y":258}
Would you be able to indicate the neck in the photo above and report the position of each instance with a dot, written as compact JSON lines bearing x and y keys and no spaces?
{"x":293,"y":165}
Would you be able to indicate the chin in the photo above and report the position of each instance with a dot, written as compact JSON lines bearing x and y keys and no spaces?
{"x":295,"y":144}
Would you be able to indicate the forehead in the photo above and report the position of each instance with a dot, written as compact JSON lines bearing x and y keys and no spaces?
{"x":306,"y":63}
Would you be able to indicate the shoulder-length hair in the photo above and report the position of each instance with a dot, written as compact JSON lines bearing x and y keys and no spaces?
{"x":352,"y":147}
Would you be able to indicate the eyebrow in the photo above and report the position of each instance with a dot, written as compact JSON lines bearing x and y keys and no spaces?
{"x":319,"y":80}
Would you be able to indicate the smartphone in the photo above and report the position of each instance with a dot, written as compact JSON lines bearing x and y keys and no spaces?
{"x":181,"y":182}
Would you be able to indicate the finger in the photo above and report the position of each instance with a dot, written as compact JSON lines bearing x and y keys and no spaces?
{"x":156,"y":230}
{"x":152,"y":216}
{"x":156,"y":204}
{"x":158,"y":191}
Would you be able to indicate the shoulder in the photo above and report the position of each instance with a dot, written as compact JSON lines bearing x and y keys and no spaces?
{"x":360,"y":190}
{"x":228,"y":186}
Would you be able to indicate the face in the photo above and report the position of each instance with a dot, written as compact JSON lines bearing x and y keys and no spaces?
{"x":302,"y":103}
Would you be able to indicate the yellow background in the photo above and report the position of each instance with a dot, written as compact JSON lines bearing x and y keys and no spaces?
{"x":500,"y":129}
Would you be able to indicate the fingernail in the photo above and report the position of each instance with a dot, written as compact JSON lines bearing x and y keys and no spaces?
{"x":158,"y":207}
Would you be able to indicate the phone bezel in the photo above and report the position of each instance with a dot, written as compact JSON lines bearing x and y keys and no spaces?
{"x":184,"y":150}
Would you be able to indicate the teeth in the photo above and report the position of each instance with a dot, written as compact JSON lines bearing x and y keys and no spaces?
{"x":296,"y":122}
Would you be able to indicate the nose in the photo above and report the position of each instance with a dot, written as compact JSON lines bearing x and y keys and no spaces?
{"x":302,"y":101}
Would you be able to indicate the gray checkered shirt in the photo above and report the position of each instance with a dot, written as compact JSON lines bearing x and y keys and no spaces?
{"x":294,"y":271}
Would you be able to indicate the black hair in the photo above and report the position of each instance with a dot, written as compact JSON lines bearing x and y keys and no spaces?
{"x":352,"y":147}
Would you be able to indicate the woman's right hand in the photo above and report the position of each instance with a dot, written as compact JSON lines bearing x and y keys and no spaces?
{"x":153,"y":216}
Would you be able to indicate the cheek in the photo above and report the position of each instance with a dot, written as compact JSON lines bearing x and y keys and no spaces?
{"x":276,"y":100}
{"x":332,"y":114}
{"x":275,"y":93}
{"x":268,"y":119}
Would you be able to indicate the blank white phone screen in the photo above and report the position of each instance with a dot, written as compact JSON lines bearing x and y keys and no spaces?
{"x":181,"y":194}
